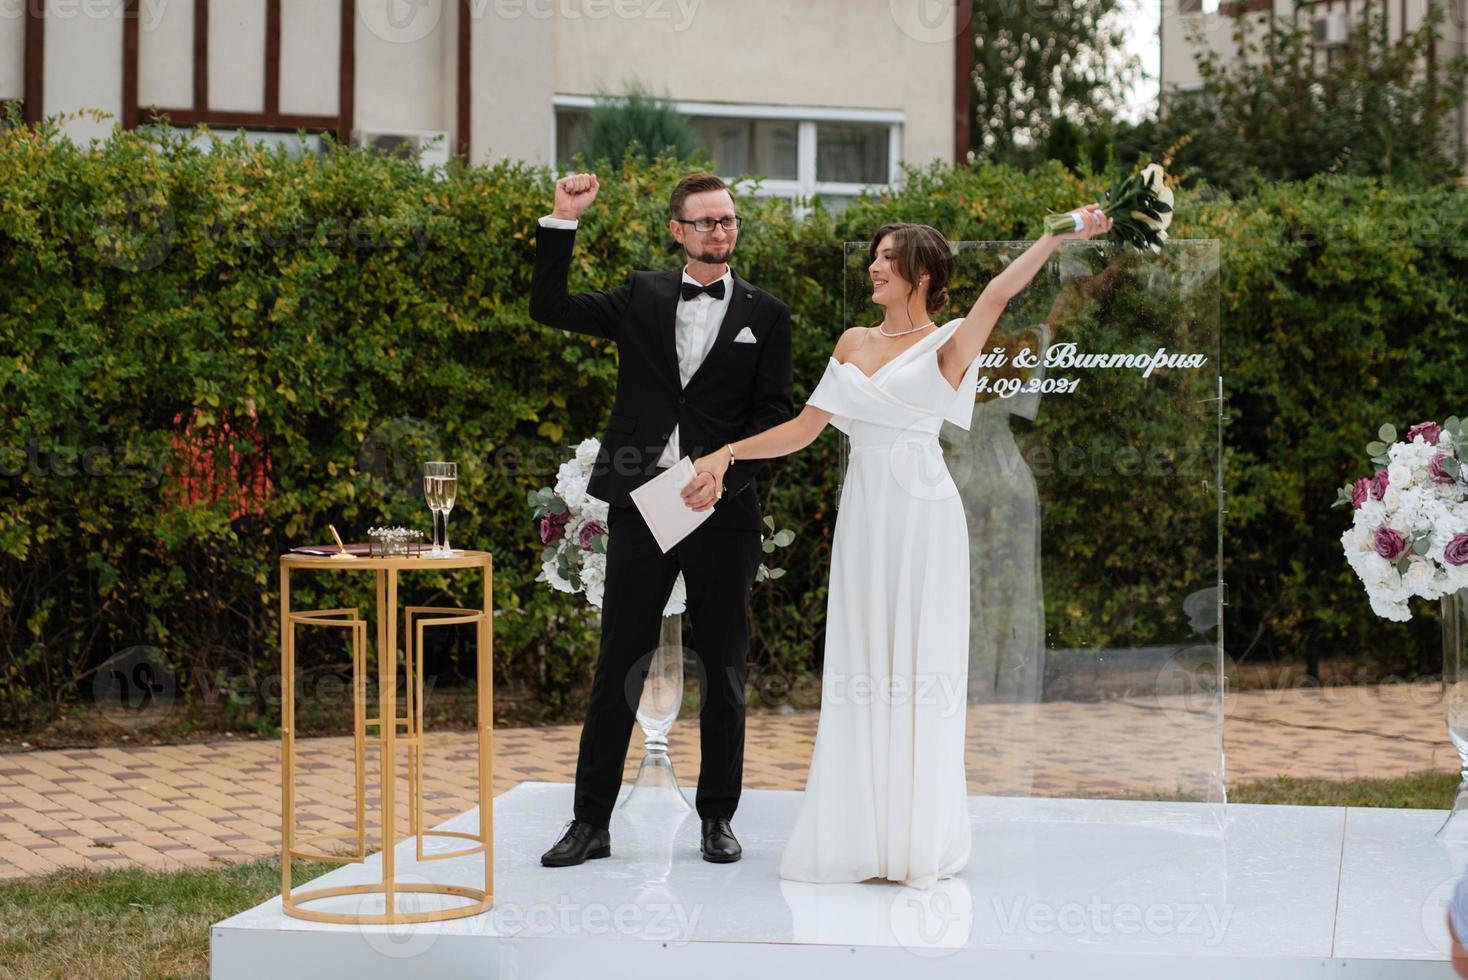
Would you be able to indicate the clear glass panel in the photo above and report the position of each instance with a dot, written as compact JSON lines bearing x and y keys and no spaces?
{"x":852,"y":152}
{"x":1092,"y":500}
{"x":749,"y":147}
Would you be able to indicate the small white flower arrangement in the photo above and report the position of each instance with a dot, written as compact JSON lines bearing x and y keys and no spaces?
{"x":1409,"y":535}
{"x":394,"y":540}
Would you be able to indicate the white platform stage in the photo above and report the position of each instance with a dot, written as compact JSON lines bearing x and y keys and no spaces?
{"x":1055,"y":888}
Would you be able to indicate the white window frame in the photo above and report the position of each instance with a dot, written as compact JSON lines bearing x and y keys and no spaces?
{"x":805,"y":183}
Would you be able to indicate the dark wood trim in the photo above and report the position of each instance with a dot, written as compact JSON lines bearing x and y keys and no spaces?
{"x":130,"y":65}
{"x":462,"y":104}
{"x":284,"y":122}
{"x":272,"y":57}
{"x":269,"y":120}
{"x":1229,"y":7}
{"x":33,"y":94}
{"x":201,"y":54}
{"x":963,"y":82}
{"x":347,"y":77}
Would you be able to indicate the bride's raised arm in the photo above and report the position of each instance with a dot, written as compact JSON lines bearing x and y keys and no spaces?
{"x":958,"y":352}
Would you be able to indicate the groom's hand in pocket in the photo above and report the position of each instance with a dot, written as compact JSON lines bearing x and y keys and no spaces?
{"x":701,"y":491}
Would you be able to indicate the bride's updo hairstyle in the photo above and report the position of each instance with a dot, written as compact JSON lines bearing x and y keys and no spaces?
{"x":917,"y":249}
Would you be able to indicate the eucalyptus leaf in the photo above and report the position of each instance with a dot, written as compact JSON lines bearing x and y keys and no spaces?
{"x":1387,"y":432}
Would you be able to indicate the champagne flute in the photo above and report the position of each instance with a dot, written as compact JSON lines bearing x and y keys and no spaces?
{"x":431,"y":474}
{"x":448,"y":488}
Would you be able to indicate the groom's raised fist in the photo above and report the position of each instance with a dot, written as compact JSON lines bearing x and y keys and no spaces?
{"x":574,"y":194}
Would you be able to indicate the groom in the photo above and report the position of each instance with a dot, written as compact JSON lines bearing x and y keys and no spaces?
{"x":704,"y":359}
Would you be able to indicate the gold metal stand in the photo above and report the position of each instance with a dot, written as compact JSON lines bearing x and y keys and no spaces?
{"x":387,"y":738}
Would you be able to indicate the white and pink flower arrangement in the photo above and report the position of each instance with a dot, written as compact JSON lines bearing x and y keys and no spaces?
{"x":573,"y":529}
{"x":1409,"y":535}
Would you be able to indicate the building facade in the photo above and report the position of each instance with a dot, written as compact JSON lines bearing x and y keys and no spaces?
{"x":819,"y":96}
{"x":1189,"y":26}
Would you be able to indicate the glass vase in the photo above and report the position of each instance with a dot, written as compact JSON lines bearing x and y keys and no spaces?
{"x":1455,"y":704}
{"x":656,"y":787}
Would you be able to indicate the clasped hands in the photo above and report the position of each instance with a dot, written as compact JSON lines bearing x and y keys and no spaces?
{"x":707,"y":485}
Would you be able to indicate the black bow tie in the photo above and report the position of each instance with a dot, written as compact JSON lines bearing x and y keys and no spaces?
{"x":714,"y":289}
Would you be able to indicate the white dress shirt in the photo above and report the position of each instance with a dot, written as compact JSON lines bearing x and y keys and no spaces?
{"x":697,"y":320}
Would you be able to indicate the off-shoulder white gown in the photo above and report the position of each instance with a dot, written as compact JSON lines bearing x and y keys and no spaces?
{"x":886,"y":796}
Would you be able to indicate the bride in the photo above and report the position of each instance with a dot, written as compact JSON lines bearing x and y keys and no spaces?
{"x":886,"y":796}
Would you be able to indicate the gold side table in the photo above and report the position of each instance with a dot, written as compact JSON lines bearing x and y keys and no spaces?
{"x":387,"y":738}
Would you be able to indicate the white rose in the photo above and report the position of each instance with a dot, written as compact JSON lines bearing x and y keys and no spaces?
{"x":586,"y":452}
{"x":1419,"y":578}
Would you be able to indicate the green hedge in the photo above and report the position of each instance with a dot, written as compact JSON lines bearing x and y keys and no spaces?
{"x":367,"y":313}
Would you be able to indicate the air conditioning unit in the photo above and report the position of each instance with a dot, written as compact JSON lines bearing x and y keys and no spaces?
{"x":429,"y":147}
{"x":1332,"y":29}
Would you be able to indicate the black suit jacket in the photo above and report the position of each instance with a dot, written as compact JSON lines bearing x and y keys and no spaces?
{"x":739,"y":389}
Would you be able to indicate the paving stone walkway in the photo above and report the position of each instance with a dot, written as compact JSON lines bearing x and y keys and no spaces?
{"x":190,"y":805}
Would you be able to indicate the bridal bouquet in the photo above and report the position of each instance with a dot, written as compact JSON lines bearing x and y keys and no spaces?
{"x":1139,"y":206}
{"x":573,"y":529}
{"x":1410,"y":530}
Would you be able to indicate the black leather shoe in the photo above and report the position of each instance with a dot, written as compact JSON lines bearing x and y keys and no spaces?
{"x":580,"y":841}
{"x":719,"y":844}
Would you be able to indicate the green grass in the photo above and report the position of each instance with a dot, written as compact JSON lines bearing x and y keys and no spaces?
{"x":128,"y":922}
{"x":1423,"y":790}
{"x":134,"y":922}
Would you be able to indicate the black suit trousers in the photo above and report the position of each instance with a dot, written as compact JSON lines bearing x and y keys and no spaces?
{"x":718,"y":565}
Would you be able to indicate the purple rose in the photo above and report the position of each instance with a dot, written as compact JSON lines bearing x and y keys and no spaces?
{"x":552,"y":526}
{"x":1435,"y":471}
{"x":1378,"y":485}
{"x":1389,"y":543}
{"x":1456,"y":553}
{"x":1359,"y":489}
{"x":588,"y":531}
{"x":1427,"y":430}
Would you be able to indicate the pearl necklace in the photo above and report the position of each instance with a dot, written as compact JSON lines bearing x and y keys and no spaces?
{"x":901,"y":332}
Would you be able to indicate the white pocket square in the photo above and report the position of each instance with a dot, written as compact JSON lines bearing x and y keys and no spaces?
{"x":745,"y":336}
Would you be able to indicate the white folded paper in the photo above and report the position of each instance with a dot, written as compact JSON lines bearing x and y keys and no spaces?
{"x":660,"y":500}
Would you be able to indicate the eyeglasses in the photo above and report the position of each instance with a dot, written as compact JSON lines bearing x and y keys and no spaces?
{"x":729,"y":223}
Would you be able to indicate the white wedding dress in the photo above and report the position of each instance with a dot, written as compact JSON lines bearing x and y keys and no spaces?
{"x":886,"y":796}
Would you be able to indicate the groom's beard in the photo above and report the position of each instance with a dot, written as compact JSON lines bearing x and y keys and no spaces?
{"x":712,"y":254}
